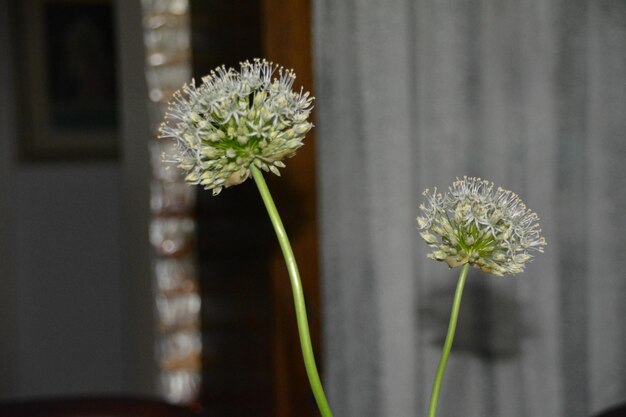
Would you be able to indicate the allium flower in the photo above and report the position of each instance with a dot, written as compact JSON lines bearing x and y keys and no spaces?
{"x":473,"y":223}
{"x":235,"y":119}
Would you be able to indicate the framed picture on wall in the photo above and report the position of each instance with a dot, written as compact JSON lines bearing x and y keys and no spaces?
{"x":67,"y":79}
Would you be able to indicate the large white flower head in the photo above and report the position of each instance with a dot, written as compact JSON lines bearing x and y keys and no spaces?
{"x":473,"y":223}
{"x":235,"y":119}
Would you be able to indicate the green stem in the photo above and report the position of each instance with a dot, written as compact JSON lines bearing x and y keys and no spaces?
{"x":434,"y":397}
{"x":298,"y":296}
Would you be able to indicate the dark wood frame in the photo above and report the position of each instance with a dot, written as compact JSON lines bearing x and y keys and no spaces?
{"x":259,"y":299}
{"x":97,"y":406}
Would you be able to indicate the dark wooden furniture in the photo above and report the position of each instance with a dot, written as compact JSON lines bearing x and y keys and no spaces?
{"x":252,"y":364}
{"x":93,"y":407}
{"x":287,"y":40}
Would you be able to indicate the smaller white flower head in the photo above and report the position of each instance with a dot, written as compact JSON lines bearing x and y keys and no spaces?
{"x":473,"y":223}
{"x":235,"y":119}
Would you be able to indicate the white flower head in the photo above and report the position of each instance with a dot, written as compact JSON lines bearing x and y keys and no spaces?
{"x":473,"y":223}
{"x":235,"y":119}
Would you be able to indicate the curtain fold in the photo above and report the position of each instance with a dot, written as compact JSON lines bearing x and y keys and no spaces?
{"x":530,"y":95}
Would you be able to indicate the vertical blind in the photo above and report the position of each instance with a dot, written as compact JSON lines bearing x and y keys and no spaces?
{"x":531,"y":95}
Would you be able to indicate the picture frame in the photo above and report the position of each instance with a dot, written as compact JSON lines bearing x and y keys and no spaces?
{"x":67,"y":79}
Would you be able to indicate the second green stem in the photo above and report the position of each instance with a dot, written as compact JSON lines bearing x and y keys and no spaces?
{"x":434,"y":397}
{"x":298,"y":295}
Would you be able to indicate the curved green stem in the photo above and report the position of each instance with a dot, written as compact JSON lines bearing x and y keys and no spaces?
{"x":434,"y":396}
{"x":298,"y":296}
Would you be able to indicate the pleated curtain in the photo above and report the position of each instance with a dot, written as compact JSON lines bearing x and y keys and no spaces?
{"x":529,"y":94}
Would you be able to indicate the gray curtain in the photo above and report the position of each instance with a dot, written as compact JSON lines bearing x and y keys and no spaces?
{"x":529,"y":94}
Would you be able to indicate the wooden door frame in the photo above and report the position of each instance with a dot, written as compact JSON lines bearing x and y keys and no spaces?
{"x":286,"y":28}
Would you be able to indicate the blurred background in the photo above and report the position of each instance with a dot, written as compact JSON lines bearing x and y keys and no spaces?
{"x":118,"y":279}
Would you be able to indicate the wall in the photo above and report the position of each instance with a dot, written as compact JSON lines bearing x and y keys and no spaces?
{"x":75,"y":292}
